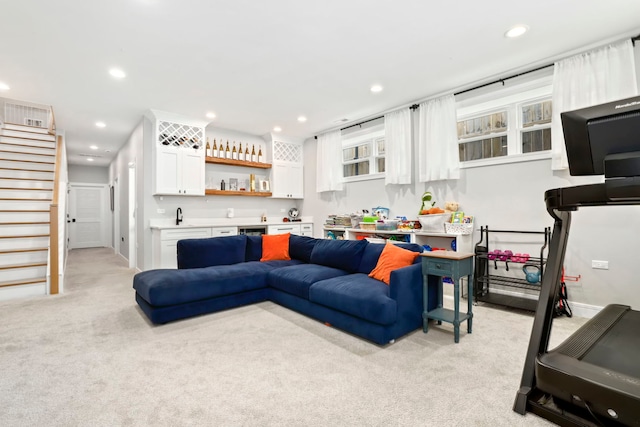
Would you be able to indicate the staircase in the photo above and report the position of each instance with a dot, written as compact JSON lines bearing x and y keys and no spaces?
{"x":27,"y":161}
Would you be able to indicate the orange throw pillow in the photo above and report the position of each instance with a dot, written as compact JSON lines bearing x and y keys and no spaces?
{"x":392,"y":258}
{"x":275,"y":247}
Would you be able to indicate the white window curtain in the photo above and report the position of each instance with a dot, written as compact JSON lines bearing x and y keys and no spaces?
{"x":438,"y":156}
{"x":397,"y":143}
{"x":329,"y":162}
{"x":602,"y":75}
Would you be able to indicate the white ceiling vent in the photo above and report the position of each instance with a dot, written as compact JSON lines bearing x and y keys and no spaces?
{"x":89,"y":155}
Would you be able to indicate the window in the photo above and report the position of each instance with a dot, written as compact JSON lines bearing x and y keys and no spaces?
{"x":536,"y":127}
{"x":363,"y":154}
{"x":503,"y":128}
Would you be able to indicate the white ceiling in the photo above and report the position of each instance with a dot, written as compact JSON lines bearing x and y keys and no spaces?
{"x":258,"y":64}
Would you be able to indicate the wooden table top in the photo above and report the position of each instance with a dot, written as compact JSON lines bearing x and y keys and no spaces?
{"x":447,"y":255}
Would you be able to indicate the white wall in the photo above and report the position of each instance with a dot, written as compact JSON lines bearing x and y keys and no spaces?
{"x":89,"y":174}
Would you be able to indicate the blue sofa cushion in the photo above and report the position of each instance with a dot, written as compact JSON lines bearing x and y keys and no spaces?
{"x":372,"y":253}
{"x":199,"y":253}
{"x":297,"y":279}
{"x":171,"y":287}
{"x":358,"y":295}
{"x":254,"y":248}
{"x":342,"y":254}
{"x":300,"y":247}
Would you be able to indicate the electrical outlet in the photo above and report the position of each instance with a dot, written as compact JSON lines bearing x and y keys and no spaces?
{"x":283,"y":210}
{"x":161,"y":211}
{"x":601,"y":265}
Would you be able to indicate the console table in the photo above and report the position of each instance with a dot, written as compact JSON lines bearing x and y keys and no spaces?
{"x":454,"y":265}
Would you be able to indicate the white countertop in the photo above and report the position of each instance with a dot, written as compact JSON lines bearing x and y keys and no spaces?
{"x":166,"y":223}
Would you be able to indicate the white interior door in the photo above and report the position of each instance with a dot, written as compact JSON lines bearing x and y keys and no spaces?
{"x":87,"y":215}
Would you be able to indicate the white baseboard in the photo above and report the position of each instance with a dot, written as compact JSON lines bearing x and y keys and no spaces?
{"x":578,"y":309}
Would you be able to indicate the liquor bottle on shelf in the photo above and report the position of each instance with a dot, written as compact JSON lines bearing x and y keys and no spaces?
{"x":253,"y":153}
{"x":247,"y":155}
{"x":227,"y":152}
{"x":214,"y":150}
{"x":240,"y":153}
{"x":234,"y":152}
{"x":195,"y":144}
{"x":252,"y":182}
{"x":208,"y":149}
{"x":260,"y":159}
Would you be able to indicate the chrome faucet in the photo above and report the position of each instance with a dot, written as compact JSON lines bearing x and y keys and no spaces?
{"x":178,"y":216}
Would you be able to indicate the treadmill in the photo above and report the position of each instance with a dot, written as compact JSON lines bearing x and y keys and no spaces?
{"x":593,"y":377}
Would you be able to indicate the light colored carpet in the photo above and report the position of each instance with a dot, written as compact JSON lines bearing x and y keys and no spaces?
{"x":89,"y":357}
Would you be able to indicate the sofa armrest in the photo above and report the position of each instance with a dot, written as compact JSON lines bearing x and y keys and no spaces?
{"x":406,"y":284}
{"x":405,"y":287}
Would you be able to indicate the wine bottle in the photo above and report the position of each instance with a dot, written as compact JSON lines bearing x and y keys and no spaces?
{"x":208,"y":149}
{"x":240,"y":153}
{"x":234,"y":152}
{"x":214,"y":150}
{"x":227,"y":152}
{"x":253,"y":153}
{"x":260,"y":154}
{"x":247,"y":155}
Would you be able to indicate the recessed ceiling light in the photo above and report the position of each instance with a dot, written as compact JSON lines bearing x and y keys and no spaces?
{"x":93,"y":147}
{"x":117,"y":73}
{"x":277,"y":129}
{"x":376,"y":88}
{"x":4,"y":86}
{"x":211,"y":115}
{"x":101,"y":124}
{"x":302,"y":119}
{"x":89,"y":159}
{"x":516,"y":31}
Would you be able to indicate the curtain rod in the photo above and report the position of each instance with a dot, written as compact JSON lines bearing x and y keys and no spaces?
{"x":502,"y":80}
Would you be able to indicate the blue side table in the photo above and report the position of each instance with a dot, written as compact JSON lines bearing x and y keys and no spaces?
{"x":454,"y":265}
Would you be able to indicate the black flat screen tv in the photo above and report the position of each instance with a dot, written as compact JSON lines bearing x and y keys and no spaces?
{"x":602,"y":132}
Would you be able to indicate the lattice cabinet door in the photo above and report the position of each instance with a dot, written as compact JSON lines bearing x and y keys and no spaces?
{"x":287,"y":152}
{"x":179,"y":159}
{"x":287,"y":170}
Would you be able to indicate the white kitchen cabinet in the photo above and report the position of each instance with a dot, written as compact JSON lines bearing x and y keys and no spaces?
{"x":287,"y":171}
{"x":224,"y":231}
{"x":290,"y":227}
{"x":301,"y":229}
{"x":165,"y":243}
{"x":306,"y":230}
{"x":178,"y":155}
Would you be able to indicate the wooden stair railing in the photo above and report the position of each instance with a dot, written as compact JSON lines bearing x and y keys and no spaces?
{"x":54,"y":286}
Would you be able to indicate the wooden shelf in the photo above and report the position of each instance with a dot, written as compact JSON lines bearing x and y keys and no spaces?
{"x":232,"y":162}
{"x":210,"y":192}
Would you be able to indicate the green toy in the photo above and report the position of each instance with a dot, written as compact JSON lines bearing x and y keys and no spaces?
{"x":426,"y":197}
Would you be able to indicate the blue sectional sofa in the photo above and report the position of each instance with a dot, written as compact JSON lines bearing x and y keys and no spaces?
{"x":325,"y":279}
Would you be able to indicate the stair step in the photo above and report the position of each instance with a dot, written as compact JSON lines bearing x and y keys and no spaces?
{"x":26,"y":157}
{"x":26,"y":184}
{"x":10,"y":230}
{"x":28,"y":265}
{"x":42,"y":280}
{"x":26,"y":149}
{"x":16,"y":243}
{"x":33,"y":271}
{"x":32,"y":205}
{"x":28,"y":142}
{"x":26,"y":165}
{"x":8,"y":153}
{"x":26,"y":128}
{"x":23,"y":257}
{"x":25,"y":236}
{"x":27,"y":134}
{"x":20,"y":173}
{"x":24,"y":194}
{"x":26,"y":216}
{"x":12,"y":251}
